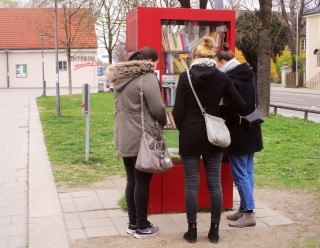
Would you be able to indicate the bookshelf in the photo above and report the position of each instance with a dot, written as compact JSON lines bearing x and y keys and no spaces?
{"x":151,"y":27}
{"x":174,"y":32}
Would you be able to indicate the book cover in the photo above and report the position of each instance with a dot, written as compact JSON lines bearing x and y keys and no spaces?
{"x":195,"y":43}
{"x":167,"y":96}
{"x":168,"y":121}
{"x":183,"y":41}
{"x":187,"y":42}
{"x":164,"y":46}
{"x":178,"y":65}
{"x":184,"y":64}
{"x":171,"y":42}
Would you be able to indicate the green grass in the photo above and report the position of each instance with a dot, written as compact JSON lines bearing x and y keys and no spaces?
{"x":291,"y":154}
{"x":290,"y":159}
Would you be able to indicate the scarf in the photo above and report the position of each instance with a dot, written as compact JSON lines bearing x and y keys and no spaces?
{"x":228,"y":66}
{"x":203,"y":62}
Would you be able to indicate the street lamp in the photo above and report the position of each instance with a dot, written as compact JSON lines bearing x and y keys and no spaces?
{"x":43,"y":82}
{"x":57,"y":61}
{"x":297,"y":48}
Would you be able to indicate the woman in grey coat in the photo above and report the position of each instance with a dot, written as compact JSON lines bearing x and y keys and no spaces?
{"x":126,"y":78}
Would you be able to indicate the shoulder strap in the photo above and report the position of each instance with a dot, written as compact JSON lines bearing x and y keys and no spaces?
{"x":202,"y":109}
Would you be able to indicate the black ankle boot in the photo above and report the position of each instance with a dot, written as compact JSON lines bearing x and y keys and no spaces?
{"x":213,"y":234}
{"x":191,"y":234}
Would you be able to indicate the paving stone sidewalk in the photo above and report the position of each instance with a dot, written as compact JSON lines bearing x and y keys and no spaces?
{"x":96,"y":213}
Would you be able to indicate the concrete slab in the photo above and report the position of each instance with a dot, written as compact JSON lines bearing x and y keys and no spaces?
{"x":47,"y":232}
{"x":77,"y":234}
{"x":92,"y":232}
{"x":116,"y":213}
{"x":97,"y":222}
{"x":93,"y":214}
{"x":276,"y":220}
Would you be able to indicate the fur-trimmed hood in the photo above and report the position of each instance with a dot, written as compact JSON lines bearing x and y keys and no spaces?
{"x":121,"y":74}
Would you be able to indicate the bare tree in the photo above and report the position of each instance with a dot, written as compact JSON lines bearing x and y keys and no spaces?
{"x":264,"y":55}
{"x":76,"y":26}
{"x":9,"y":4}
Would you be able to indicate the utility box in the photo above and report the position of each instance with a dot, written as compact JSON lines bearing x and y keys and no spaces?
{"x":100,"y":87}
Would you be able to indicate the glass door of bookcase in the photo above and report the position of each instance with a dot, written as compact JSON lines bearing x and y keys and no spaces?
{"x":178,"y":39}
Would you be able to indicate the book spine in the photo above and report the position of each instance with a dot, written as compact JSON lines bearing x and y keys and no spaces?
{"x":173,"y":125}
{"x":167,"y":96}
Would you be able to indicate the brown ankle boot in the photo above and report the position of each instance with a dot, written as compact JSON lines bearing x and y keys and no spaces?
{"x":213,"y":234}
{"x":191,"y":234}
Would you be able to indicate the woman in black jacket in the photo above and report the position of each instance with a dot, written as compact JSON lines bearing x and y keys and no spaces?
{"x":210,"y":85}
{"x":244,"y":143}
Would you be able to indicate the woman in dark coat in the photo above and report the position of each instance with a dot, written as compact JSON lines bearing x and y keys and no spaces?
{"x":244,"y":143}
{"x":126,"y":78}
{"x":210,"y":85}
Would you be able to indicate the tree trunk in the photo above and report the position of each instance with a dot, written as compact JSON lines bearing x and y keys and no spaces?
{"x":203,"y":4}
{"x":185,"y":3}
{"x":264,"y":56}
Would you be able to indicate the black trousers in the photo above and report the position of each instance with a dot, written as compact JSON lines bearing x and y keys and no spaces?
{"x":137,"y":193}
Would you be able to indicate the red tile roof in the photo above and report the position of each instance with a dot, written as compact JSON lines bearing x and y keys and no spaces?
{"x":20,"y":27}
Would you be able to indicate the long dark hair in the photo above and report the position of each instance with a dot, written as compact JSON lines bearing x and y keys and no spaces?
{"x":144,"y":53}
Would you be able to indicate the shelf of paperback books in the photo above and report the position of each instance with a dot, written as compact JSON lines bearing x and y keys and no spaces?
{"x":179,"y":38}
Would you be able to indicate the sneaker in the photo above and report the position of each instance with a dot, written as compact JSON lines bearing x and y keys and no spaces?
{"x":247,"y":219}
{"x":236,"y":215}
{"x":147,"y":232}
{"x":131,"y":229}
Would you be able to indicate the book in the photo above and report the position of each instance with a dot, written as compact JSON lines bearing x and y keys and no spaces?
{"x":187,"y":42}
{"x":195,"y":43}
{"x":171,"y":42}
{"x":184,"y":64}
{"x":178,"y":65}
{"x":167,"y":96}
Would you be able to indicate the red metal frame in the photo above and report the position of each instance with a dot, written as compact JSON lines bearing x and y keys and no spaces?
{"x":144,"y":29}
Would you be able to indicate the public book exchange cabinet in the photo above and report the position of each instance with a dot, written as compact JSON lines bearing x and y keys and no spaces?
{"x":174,"y":32}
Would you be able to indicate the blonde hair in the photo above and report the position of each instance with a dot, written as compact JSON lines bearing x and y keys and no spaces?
{"x":206,"y":49}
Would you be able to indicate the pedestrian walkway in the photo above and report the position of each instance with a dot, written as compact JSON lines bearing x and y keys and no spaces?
{"x":96,"y":213}
{"x":32,"y":214}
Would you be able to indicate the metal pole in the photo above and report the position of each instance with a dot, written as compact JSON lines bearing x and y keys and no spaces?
{"x":43,"y":83}
{"x":88,"y":126}
{"x":57,"y":61}
{"x":297,"y":50}
{"x":7,"y":69}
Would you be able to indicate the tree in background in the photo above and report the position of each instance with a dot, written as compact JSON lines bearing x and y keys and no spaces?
{"x":9,"y":3}
{"x":264,"y":56}
{"x":71,"y":16}
{"x":247,"y":36}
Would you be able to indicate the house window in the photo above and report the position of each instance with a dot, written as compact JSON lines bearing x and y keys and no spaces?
{"x":21,"y":71}
{"x":303,"y":45}
{"x":63,"y":65}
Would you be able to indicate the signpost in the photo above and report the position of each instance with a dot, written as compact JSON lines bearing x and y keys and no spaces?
{"x":86,"y":110}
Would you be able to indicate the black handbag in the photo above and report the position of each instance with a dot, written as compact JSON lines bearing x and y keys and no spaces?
{"x":254,"y":119}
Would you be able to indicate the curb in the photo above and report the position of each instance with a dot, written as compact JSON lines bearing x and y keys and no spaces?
{"x":46,"y":224}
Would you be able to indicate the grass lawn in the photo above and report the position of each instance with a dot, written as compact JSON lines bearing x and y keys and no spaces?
{"x":290,"y":159}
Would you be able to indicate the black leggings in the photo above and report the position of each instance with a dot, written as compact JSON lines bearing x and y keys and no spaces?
{"x":137,"y":193}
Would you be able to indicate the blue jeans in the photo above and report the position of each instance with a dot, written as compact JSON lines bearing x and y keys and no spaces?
{"x":212,"y":165}
{"x":243,"y":177}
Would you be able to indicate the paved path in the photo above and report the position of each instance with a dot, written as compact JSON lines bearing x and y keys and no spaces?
{"x":33,"y":214}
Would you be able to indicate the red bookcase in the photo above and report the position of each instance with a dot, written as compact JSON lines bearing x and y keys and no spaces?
{"x":173,"y":32}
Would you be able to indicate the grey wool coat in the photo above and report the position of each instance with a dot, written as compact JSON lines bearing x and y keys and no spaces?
{"x":126,"y":78}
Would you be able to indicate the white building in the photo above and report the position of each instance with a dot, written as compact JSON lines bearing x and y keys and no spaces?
{"x":313,"y":48}
{"x":21,"y":50}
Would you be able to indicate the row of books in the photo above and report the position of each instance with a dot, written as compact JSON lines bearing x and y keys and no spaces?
{"x":170,"y":121}
{"x":219,"y":38}
{"x":167,"y":94}
{"x":175,"y":42}
{"x":174,"y":64}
